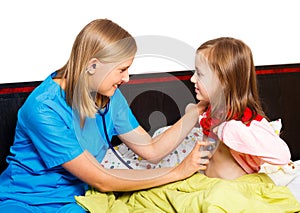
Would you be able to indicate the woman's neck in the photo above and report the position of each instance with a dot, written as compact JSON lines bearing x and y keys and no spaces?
{"x":60,"y":82}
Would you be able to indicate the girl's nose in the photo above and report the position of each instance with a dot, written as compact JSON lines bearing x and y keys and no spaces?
{"x":194,"y":78}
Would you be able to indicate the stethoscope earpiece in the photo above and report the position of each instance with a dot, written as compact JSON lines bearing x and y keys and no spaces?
{"x":92,"y":69}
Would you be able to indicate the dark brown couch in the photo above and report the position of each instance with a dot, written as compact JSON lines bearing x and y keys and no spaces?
{"x":159,"y":99}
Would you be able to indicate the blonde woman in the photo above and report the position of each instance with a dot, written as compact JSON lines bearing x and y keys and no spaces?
{"x":63,"y":126}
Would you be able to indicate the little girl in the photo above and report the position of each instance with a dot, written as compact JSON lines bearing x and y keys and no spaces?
{"x":225,"y":77}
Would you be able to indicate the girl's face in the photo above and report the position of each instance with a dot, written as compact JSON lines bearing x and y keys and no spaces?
{"x":208,"y":87}
{"x":109,"y":76}
{"x":200,"y":79}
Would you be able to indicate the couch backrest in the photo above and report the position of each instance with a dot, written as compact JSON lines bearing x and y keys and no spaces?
{"x":159,"y":99}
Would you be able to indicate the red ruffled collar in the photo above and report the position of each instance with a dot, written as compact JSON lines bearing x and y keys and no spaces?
{"x":207,"y":122}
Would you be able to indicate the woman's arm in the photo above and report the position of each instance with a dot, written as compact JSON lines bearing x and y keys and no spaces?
{"x":86,"y":168}
{"x":155,"y":149}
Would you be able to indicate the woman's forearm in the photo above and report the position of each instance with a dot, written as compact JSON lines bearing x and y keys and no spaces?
{"x":131,"y":180}
{"x":155,"y":149}
{"x":86,"y":168}
{"x":173,"y":136}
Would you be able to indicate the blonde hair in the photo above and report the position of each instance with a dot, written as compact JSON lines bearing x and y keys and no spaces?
{"x":232,"y":61}
{"x":101,"y":39}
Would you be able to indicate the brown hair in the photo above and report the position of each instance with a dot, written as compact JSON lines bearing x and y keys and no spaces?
{"x":232,"y":61}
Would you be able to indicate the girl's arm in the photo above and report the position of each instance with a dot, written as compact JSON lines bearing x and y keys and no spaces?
{"x":86,"y":168}
{"x":155,"y":149}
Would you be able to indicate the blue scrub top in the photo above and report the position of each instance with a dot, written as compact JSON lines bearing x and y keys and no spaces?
{"x":48,"y":135}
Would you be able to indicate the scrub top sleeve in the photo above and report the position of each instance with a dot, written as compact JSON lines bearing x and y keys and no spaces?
{"x":123,"y":119}
{"x":52,"y":137}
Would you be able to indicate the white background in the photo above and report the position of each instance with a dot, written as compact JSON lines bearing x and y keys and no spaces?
{"x":37,"y":35}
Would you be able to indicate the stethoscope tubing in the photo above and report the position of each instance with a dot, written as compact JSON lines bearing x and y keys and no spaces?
{"x":102,"y":114}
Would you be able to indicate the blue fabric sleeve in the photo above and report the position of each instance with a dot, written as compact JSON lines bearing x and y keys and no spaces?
{"x":123,"y":119}
{"x":50,"y":128}
{"x":119,"y":119}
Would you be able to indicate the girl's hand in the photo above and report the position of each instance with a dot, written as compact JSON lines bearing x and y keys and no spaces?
{"x":194,"y":162}
{"x":190,"y":106}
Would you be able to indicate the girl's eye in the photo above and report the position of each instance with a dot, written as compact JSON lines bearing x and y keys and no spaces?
{"x":199,"y":74}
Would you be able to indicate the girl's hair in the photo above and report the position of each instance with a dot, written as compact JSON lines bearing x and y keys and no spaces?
{"x":101,"y":39}
{"x":232,"y":61}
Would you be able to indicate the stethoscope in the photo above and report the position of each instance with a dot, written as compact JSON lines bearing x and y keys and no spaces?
{"x":102,"y":113}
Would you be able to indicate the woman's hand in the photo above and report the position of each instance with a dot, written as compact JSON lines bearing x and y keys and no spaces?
{"x":200,"y":107}
{"x":194,"y":162}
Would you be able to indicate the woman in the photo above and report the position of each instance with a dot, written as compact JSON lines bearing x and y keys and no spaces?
{"x":62,"y":126}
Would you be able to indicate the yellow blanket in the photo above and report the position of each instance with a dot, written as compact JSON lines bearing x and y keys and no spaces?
{"x":250,"y":193}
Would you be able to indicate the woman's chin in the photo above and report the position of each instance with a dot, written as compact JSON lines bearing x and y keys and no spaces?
{"x":111,"y":93}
